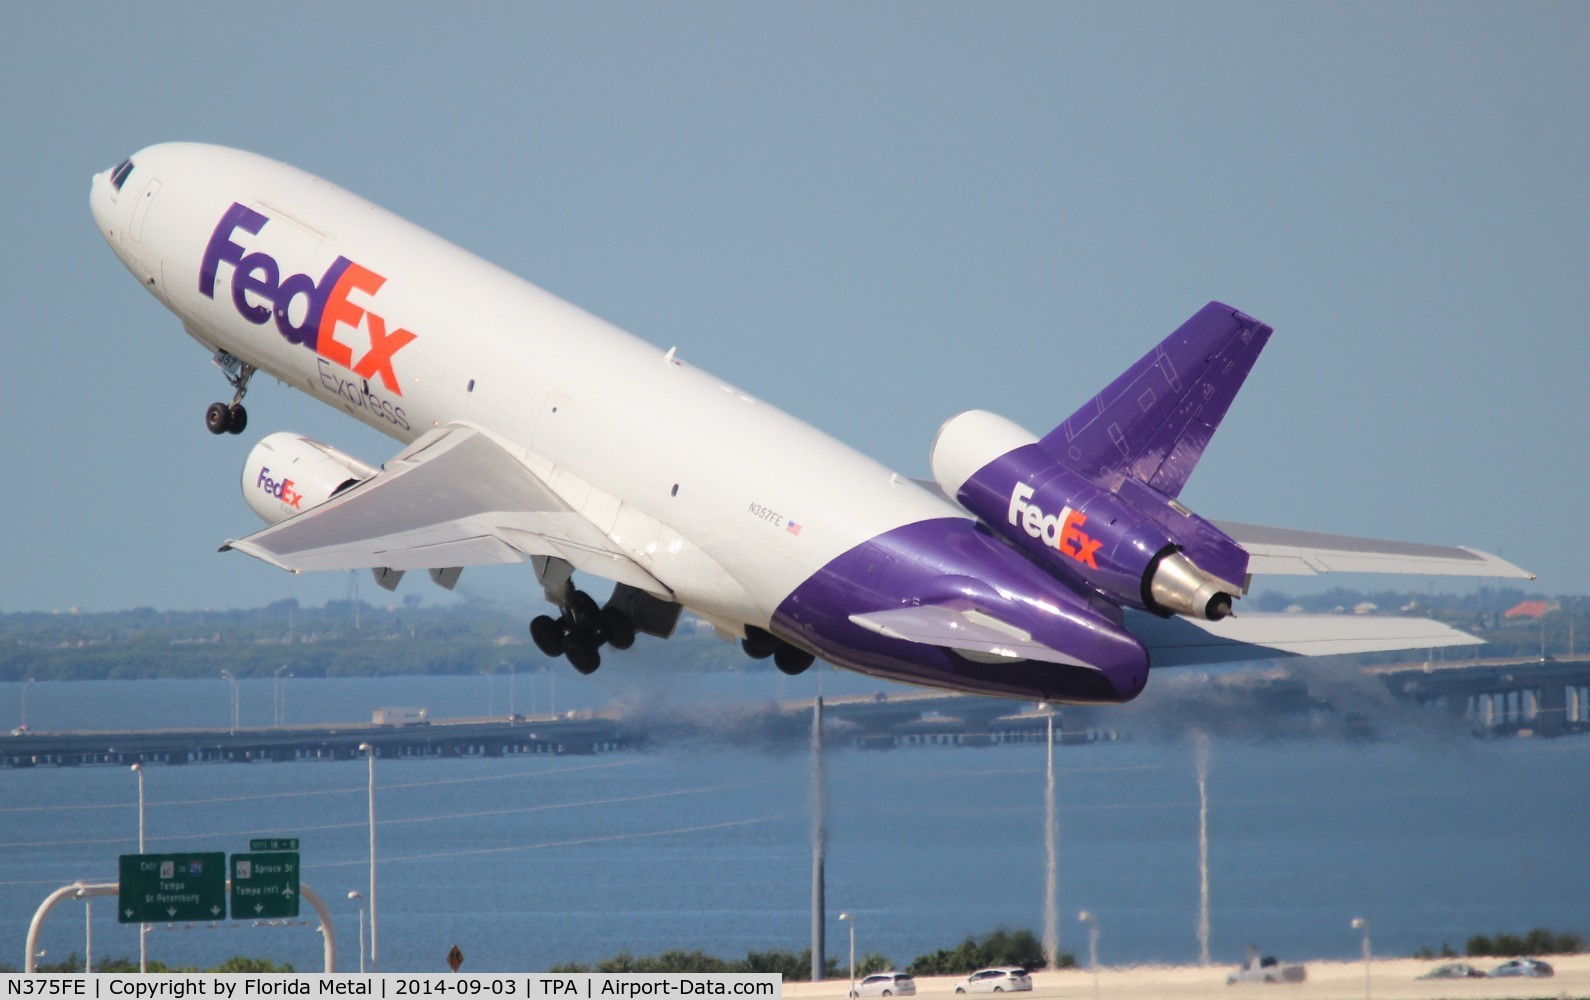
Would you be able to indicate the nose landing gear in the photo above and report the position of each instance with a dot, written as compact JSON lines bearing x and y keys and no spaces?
{"x":223,"y":419}
{"x":230,"y":418}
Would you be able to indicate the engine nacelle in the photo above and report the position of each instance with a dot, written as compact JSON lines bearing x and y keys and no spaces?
{"x":286,"y":474}
{"x":1130,"y":554}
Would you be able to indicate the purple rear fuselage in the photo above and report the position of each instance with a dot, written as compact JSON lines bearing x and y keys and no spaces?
{"x":956,"y":563}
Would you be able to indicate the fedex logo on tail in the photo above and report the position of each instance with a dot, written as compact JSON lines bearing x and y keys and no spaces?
{"x":282,"y":491}
{"x":261,"y":293}
{"x":1061,"y":531}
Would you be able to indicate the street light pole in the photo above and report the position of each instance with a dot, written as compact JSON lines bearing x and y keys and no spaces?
{"x":88,"y":930}
{"x":356,"y":895}
{"x":513,"y":675}
{"x":491,"y":693}
{"x":279,"y":703}
{"x":819,"y":845}
{"x":1201,"y":752}
{"x":27,"y":686}
{"x":1051,"y":844}
{"x":850,"y":919}
{"x":1360,"y":924}
{"x":232,"y":681}
{"x":1572,"y":607}
{"x":1093,"y":947}
{"x":143,"y":929}
{"x":369,"y":752}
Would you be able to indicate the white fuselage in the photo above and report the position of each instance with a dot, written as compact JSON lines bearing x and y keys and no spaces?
{"x":726,"y":500}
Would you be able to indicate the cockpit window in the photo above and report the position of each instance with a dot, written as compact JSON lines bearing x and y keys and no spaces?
{"x":119,"y":176}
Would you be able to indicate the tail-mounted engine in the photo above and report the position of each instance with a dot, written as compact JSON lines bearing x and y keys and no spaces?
{"x":286,"y":474}
{"x":1131,"y":544}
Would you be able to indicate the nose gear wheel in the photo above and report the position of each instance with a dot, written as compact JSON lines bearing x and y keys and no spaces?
{"x":230,"y":418}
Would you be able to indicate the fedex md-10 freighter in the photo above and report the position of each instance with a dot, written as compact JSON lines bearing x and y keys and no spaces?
{"x":1055,"y":568}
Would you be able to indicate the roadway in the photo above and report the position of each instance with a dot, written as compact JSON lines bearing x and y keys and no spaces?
{"x":1392,"y":979}
{"x":569,"y":733}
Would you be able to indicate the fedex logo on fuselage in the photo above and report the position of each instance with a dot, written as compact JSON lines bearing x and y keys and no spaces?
{"x":282,"y":491}
{"x":1061,"y":531}
{"x":260,"y":292}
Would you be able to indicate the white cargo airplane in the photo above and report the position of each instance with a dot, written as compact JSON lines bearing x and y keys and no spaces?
{"x":1057,"y":568}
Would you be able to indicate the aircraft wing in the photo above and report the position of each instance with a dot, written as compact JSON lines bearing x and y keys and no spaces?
{"x":1286,"y":552}
{"x":452,"y":498}
{"x":1180,"y":642}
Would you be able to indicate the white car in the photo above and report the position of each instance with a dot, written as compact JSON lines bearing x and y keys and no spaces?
{"x":885,"y":984}
{"x":1267,"y":970}
{"x":1004,"y":979}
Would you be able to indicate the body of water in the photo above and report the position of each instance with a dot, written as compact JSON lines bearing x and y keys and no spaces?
{"x":524,"y":862}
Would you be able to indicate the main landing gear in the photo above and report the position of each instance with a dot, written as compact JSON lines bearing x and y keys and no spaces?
{"x":581,"y":631}
{"x":230,"y":418}
{"x":582,"y":628}
{"x":759,"y":644}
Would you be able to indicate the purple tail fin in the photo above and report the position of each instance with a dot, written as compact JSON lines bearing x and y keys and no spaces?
{"x":1153,"y":423}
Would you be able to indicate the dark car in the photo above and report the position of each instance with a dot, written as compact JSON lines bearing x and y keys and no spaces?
{"x":1454,"y":970}
{"x":1533,"y":968}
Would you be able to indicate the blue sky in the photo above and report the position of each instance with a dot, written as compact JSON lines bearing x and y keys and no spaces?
{"x":874,"y":216}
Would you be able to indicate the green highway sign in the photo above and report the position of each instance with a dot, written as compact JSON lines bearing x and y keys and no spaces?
{"x":274,"y":844}
{"x":265,"y":885}
{"x":167,"y":888}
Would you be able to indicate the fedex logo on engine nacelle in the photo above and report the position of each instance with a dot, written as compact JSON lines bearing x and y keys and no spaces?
{"x":282,"y":491}
{"x":1062,"y":531}
{"x":260,"y":292}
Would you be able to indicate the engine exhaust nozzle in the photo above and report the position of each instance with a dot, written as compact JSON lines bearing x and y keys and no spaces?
{"x":1177,"y":586}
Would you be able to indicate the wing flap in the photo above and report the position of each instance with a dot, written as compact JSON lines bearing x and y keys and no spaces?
{"x":1288,"y":552}
{"x":1178,"y":642}
{"x":395,"y":552}
{"x":971,"y":632}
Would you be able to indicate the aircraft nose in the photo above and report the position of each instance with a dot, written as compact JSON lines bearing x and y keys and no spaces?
{"x":105,"y":200}
{"x":100,"y":204}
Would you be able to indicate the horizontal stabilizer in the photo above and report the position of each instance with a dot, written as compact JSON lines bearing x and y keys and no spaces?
{"x":1285,"y":552}
{"x":1180,"y":642}
{"x":971,"y":632}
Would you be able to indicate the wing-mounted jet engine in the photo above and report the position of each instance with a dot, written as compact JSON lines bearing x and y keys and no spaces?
{"x":287,"y":474}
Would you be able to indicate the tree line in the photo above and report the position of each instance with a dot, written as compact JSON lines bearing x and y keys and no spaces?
{"x":1536,"y":941}
{"x":347,"y":638}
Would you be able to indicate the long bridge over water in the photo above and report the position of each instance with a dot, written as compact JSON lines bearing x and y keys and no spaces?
{"x":1497,"y":697}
